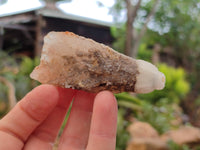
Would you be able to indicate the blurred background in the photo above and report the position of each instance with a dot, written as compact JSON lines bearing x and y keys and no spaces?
{"x":163,"y":32}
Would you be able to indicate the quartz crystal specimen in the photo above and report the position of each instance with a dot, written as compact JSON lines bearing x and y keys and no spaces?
{"x":72,"y":61}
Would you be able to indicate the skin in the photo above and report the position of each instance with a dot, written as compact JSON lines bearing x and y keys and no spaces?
{"x":35,"y":121}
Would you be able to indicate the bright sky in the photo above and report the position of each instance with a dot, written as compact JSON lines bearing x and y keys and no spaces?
{"x":88,"y":8}
{"x":84,"y":8}
{"x":19,"y":6}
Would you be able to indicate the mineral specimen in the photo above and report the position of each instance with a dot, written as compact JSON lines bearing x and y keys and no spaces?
{"x":72,"y":61}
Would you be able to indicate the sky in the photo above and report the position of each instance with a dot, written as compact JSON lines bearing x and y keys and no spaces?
{"x":89,"y":9}
{"x":85,"y":8}
{"x":13,"y":6}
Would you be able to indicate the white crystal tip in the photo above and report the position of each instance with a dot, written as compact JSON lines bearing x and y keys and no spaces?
{"x":149,"y":78}
{"x":160,"y":82}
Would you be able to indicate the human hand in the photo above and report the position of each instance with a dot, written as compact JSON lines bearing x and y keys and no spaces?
{"x":35,"y":121}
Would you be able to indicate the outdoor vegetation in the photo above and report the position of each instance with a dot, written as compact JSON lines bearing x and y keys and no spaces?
{"x":163,"y":32}
{"x":171,"y":29}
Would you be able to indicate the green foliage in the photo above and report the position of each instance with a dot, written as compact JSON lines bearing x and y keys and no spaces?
{"x":122,"y":134}
{"x":144,"y":53}
{"x":6,"y":62}
{"x":23,"y":83}
{"x":119,"y":43}
{"x":119,"y":36}
{"x":176,"y":86}
{"x":197,"y":101}
{"x":175,"y":25}
{"x":179,"y":19}
{"x":3,"y":102}
{"x":158,"y":108}
{"x":17,"y":71}
{"x":159,"y":115}
{"x":173,"y":146}
{"x":127,"y":97}
{"x":27,"y":65}
{"x":175,"y":80}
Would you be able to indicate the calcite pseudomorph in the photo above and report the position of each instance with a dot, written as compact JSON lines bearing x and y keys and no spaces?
{"x":72,"y":61}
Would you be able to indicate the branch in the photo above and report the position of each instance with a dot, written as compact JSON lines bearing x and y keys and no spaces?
{"x":134,"y":13}
{"x":11,"y":92}
{"x":144,"y":28}
{"x":131,"y":15}
{"x":150,"y":15}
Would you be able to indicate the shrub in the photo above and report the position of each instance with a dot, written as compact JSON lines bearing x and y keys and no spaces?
{"x":16,"y":71}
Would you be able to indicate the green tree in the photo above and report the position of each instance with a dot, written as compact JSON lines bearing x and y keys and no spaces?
{"x":160,"y":16}
{"x":138,"y":15}
{"x":175,"y":25}
{"x":180,"y":19}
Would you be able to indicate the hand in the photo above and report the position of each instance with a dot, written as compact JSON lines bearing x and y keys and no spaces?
{"x":35,"y":121}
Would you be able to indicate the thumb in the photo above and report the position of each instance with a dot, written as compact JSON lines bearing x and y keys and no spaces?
{"x":21,"y":121}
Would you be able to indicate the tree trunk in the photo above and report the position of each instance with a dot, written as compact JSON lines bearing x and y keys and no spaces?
{"x":38,"y":40}
{"x":1,"y":38}
{"x":143,"y":30}
{"x":131,"y":15}
{"x":129,"y":29}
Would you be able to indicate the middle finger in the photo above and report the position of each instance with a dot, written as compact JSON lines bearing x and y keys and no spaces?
{"x":76,"y":132}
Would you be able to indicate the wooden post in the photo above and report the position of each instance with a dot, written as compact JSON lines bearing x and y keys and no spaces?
{"x":38,"y":39}
{"x":156,"y":56}
{"x":1,"y":37}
